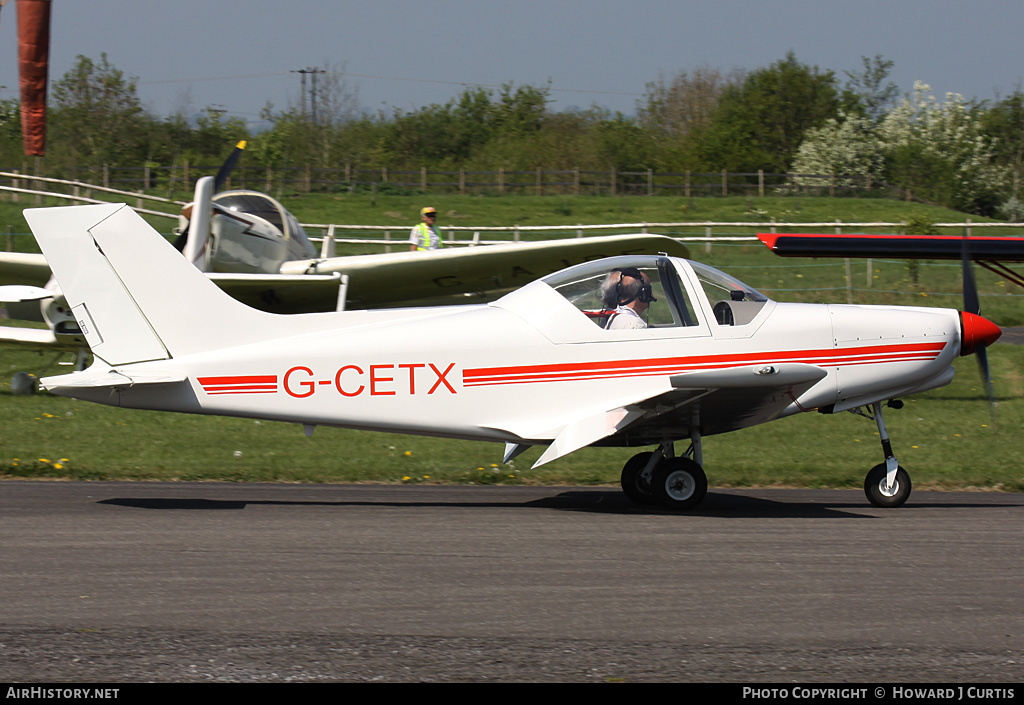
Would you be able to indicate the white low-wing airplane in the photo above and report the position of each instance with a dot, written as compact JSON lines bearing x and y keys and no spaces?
{"x":535,"y":367}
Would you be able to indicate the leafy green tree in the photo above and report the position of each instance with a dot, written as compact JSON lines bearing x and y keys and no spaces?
{"x":97,"y":118}
{"x":675,"y":113}
{"x":1003,"y":124}
{"x":761,"y":123}
{"x":868,"y":92}
{"x":11,"y":145}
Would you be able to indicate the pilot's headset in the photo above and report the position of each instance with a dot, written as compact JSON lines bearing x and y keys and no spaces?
{"x":645,"y":294}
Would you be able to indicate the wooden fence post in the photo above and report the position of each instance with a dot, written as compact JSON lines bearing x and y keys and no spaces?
{"x":501,"y":180}
{"x":650,"y":182}
{"x":611,"y":188}
{"x":540,"y":176}
{"x":725,"y":183}
{"x":760,"y":183}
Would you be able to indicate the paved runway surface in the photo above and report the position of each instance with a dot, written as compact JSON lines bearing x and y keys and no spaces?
{"x":123,"y":582}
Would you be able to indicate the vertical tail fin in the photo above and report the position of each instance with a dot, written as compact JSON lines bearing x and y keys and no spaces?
{"x":135,"y":297}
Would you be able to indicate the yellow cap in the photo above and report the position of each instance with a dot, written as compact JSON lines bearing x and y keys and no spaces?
{"x":427,"y":210}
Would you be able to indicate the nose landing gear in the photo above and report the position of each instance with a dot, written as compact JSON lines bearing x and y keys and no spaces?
{"x":887,"y":484}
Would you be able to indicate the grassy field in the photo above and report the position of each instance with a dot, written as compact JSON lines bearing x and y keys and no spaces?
{"x":946,"y":438}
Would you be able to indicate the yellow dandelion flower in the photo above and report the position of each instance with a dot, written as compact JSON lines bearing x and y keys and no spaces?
{"x":43,"y":460}
{"x":408,"y":453}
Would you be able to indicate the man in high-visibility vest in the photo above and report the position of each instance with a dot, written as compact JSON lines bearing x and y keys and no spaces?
{"x":426,"y":236}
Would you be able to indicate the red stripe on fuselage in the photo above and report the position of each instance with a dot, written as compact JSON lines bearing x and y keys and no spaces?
{"x":239,"y":384}
{"x":871,"y":354}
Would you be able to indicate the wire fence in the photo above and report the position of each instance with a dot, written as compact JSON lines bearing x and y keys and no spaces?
{"x":538,"y":181}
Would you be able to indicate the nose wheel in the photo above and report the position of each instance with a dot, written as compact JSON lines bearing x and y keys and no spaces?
{"x":887,"y":484}
{"x":880,"y":493}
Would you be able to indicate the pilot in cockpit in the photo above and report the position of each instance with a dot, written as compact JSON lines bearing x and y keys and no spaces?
{"x":627,"y":291}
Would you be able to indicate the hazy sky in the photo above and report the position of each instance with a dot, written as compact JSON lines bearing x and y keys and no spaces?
{"x":239,"y":54}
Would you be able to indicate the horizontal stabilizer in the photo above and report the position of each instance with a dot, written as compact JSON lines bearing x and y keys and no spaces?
{"x":107,"y":377}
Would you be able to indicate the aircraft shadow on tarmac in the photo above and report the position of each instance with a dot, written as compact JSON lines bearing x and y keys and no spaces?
{"x":716,"y":504}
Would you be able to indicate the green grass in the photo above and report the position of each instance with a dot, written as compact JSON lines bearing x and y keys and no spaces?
{"x":945,"y":438}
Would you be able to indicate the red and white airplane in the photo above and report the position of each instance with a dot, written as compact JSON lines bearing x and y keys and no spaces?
{"x":535,"y":367}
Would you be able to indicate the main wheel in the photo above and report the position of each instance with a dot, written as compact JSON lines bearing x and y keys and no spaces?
{"x":679,"y":483}
{"x":634,"y":486}
{"x":881,"y":496}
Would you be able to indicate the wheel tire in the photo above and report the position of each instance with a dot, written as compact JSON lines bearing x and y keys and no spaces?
{"x":679,"y":483}
{"x":636,"y":489}
{"x":874,"y":487}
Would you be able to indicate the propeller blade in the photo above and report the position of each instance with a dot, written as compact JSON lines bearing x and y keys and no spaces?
{"x":990,"y":392}
{"x":228,"y":166}
{"x":222,"y":176}
{"x":971,"y":302}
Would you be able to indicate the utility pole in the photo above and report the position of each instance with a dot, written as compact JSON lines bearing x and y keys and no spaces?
{"x":313,"y":71}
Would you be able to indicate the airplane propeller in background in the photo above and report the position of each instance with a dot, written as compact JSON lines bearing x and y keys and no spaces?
{"x":201,"y":210}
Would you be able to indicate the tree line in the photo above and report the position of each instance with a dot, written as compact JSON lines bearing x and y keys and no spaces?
{"x":785,"y":118}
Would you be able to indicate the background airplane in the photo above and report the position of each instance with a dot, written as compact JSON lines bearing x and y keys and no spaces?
{"x":256,"y":250}
{"x":530,"y":368}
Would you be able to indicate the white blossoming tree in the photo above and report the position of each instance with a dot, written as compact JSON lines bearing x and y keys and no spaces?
{"x":938,"y":150}
{"x":843,"y":152}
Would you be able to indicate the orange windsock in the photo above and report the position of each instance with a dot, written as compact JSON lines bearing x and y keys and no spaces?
{"x":33,"y":67}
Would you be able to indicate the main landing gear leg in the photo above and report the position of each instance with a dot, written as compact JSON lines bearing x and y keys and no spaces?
{"x":888,"y":484}
{"x":661,"y":478}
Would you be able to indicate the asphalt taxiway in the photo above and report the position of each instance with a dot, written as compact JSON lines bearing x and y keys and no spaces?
{"x":122,"y":582}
